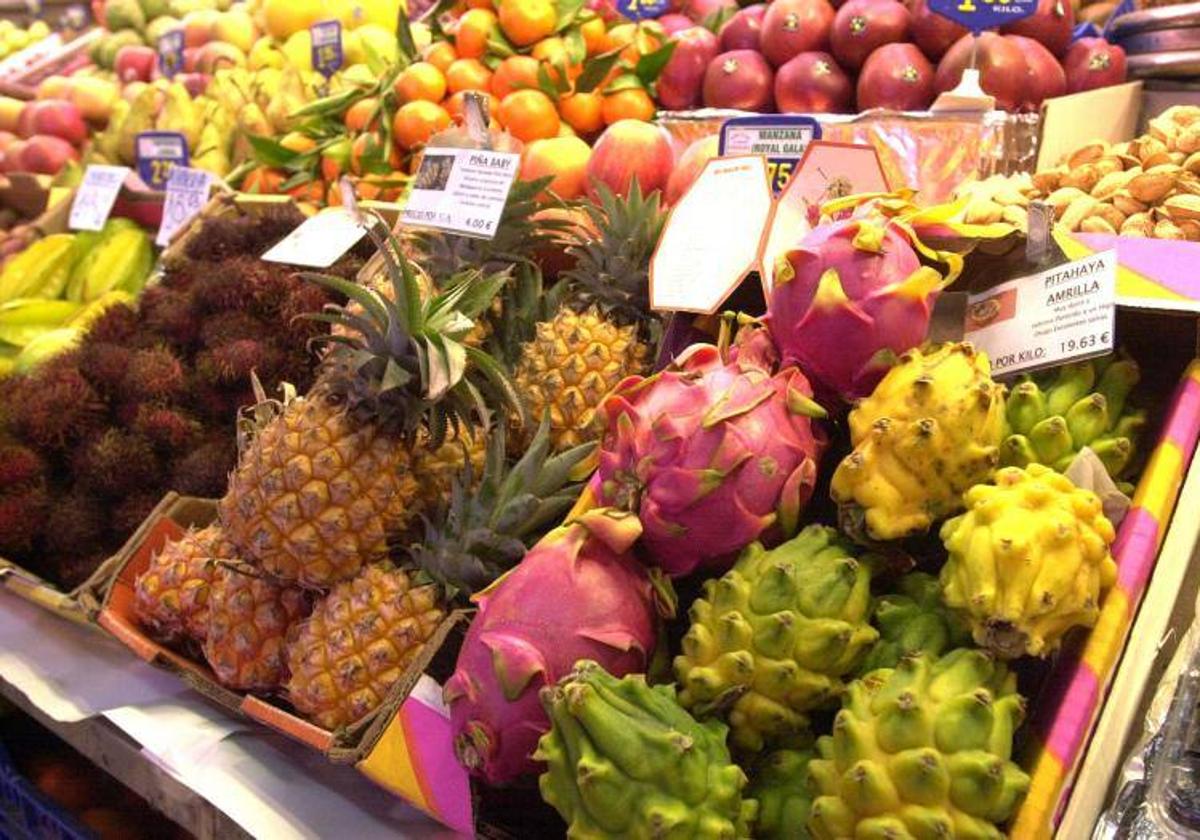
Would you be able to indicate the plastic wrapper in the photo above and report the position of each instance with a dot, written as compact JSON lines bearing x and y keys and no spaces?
{"x":932,"y":153}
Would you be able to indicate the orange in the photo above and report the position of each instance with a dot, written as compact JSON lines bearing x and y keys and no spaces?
{"x":468,"y":74}
{"x":294,"y":141}
{"x":481,"y":4}
{"x":358,"y":114}
{"x":454,"y":106}
{"x":417,"y":121}
{"x":529,"y":115}
{"x":553,"y":51}
{"x":628,"y":104}
{"x":595,"y":36}
{"x":638,"y":39}
{"x":421,"y":80}
{"x":471,"y":37}
{"x":313,"y":190}
{"x":564,"y":158}
{"x":333,"y":195}
{"x":515,"y":73}
{"x":363,"y":144}
{"x":263,"y":180}
{"x":621,"y":35}
{"x":526,"y":22}
{"x":441,"y":55}
{"x":584,"y":112}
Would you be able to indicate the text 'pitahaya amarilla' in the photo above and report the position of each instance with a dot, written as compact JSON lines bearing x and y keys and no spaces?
{"x":578,"y":594}
{"x":850,"y":298}
{"x":712,"y":454}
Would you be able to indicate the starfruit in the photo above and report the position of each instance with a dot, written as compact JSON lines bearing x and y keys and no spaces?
{"x":24,"y":319}
{"x":120,"y":260}
{"x":40,"y":271}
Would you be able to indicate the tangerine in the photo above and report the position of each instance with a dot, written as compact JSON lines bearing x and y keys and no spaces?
{"x":263,"y":180}
{"x":440,"y":54}
{"x":420,"y":80}
{"x":553,"y":52}
{"x":526,"y":22}
{"x":595,"y":35}
{"x":516,"y":72}
{"x":529,"y":115}
{"x":564,"y":158}
{"x":417,"y":121}
{"x":468,"y":74}
{"x":313,"y":190}
{"x":481,"y":4}
{"x":584,"y":112}
{"x":474,"y":29}
{"x":628,"y":104}
{"x":362,"y":115}
{"x":295,"y":141}
{"x":364,"y":144}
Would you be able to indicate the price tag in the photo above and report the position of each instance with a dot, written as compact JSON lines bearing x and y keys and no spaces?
{"x":461,"y":190}
{"x":95,"y":197}
{"x":187,"y":193}
{"x":781,"y":137}
{"x":326,"y":46}
{"x":705,"y":250}
{"x":1047,"y":318}
{"x":170,"y":52}
{"x":159,"y":152}
{"x":320,"y":240}
{"x":978,"y":15}
{"x":643,"y":9}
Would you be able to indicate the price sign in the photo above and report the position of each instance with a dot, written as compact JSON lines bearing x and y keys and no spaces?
{"x":320,"y":240}
{"x":782,"y":138}
{"x":978,"y":15}
{"x":643,"y":9}
{"x":187,"y":193}
{"x":461,"y":190}
{"x":326,"y":46}
{"x":95,"y":197}
{"x":170,"y":53}
{"x":1048,"y":318}
{"x":159,"y":152}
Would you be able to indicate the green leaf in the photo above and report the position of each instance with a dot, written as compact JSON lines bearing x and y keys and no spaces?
{"x":626,"y":81}
{"x":567,"y":10}
{"x":498,"y":379}
{"x":329,"y":105}
{"x":595,"y":69}
{"x":499,"y":45}
{"x":576,"y":46}
{"x":719,"y":18}
{"x":650,"y":66}
{"x":296,"y":180}
{"x":545,"y":83}
{"x":491,"y":61}
{"x":269,"y":151}
{"x":404,"y":37}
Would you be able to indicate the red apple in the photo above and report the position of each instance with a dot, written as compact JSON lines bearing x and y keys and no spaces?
{"x":191,"y":59}
{"x":791,"y":27}
{"x":681,"y":78}
{"x":1002,"y":68}
{"x":46,"y":154}
{"x":631,"y":149}
{"x":198,"y":26}
{"x":1045,"y":78}
{"x":135,"y":63}
{"x":1051,"y":25}
{"x":673,"y":22}
{"x":702,"y":10}
{"x":217,"y":54}
{"x":930,"y":31}
{"x":690,"y":164}
{"x":743,"y":31}
{"x":739,"y":79}
{"x":196,"y":83}
{"x":862,"y":26}
{"x":813,"y":83}
{"x":10,"y":158}
{"x":1093,"y":63}
{"x":53,"y":116}
{"x":896,"y":76}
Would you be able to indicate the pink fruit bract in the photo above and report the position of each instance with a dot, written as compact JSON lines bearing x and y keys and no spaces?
{"x":577,"y":594}
{"x":711,"y":454}
{"x":851,"y":294}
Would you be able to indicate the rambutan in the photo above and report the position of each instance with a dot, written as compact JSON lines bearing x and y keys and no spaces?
{"x":55,"y":407}
{"x":77,"y":523}
{"x":171,"y":315}
{"x":116,"y":324}
{"x":104,"y":363}
{"x":245,"y":284}
{"x":153,"y":374}
{"x":169,"y":429}
{"x":232,"y":363}
{"x":22,"y":516}
{"x":129,"y":513}
{"x":117,"y":463}
{"x":226,"y":236}
{"x":205,"y":470}
{"x":19,"y":465}
{"x":232,"y":325}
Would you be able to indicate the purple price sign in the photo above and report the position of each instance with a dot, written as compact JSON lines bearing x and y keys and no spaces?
{"x":643,"y":9}
{"x":326,"y":46}
{"x":978,"y":15}
{"x":158,"y":152}
{"x":170,"y":53}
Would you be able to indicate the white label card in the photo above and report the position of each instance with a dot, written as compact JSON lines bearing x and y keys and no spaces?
{"x":187,"y":193}
{"x":461,"y":190}
{"x":320,"y":240}
{"x":1060,"y":314}
{"x":95,"y":197}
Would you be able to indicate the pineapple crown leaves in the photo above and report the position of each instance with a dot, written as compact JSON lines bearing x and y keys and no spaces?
{"x":524,"y":302}
{"x":403,"y":360}
{"x":482,"y":531}
{"x":252,"y":419}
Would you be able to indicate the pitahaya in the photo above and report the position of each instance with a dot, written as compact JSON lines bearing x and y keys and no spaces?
{"x":848,"y":299}
{"x":578,"y":594}
{"x":711,"y":454}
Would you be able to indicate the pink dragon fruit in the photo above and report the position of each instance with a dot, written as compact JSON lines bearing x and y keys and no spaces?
{"x":711,"y":454}
{"x":848,"y":299}
{"x":578,"y":594}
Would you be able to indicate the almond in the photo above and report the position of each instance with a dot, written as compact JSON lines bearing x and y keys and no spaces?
{"x":1139,"y":224}
{"x":1084,"y":177}
{"x":1090,"y":153}
{"x":1110,"y":214}
{"x":1061,"y":198}
{"x":1111,"y":182}
{"x":1109,"y":163}
{"x":1126,"y":203}
{"x":1150,"y":187}
{"x":1094,"y":224}
{"x":1167,"y":230}
{"x":1047,"y":181}
{"x":1185,"y":206}
{"x":1077,"y":211}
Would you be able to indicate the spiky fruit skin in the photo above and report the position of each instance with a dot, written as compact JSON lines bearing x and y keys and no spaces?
{"x":771,"y":640}
{"x":171,"y":595}
{"x":913,"y":620}
{"x":624,"y":759}
{"x":360,"y":638}
{"x":248,"y":622}
{"x":922,"y":750}
{"x":930,"y":430}
{"x":783,"y":788}
{"x":1050,"y":419}
{"x":577,"y":594}
{"x":712,"y":455}
{"x":847,"y":300}
{"x":315,"y":495}
{"x":1029,"y":560}
{"x":116,"y":463}
{"x":435,"y":469}
{"x":56,"y":406}
{"x":573,"y":362}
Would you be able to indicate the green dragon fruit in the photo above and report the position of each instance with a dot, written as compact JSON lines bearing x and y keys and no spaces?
{"x":783,"y":788}
{"x":1052,"y":417}
{"x":914,"y":620}
{"x":577,"y":594}
{"x":847,"y":300}
{"x":922,"y":750}
{"x":770,"y":640}
{"x":623,"y":759}
{"x":711,"y":454}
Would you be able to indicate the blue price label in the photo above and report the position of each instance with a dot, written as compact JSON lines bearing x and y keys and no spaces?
{"x":158,"y":152}
{"x":978,"y":15}
{"x":643,"y":9}
{"x":170,"y":53}
{"x":782,"y":138}
{"x":327,"y":46}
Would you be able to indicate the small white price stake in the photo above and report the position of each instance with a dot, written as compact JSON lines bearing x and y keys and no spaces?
{"x":95,"y":197}
{"x":1048,"y":318}
{"x":706,"y":250}
{"x":187,"y":193}
{"x":320,"y":240}
{"x":461,"y":190}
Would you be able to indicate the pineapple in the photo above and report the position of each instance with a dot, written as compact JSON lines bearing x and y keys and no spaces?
{"x":358,"y":642}
{"x":171,"y":596}
{"x":318,"y":491}
{"x":604,"y":330}
{"x":248,"y":621}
